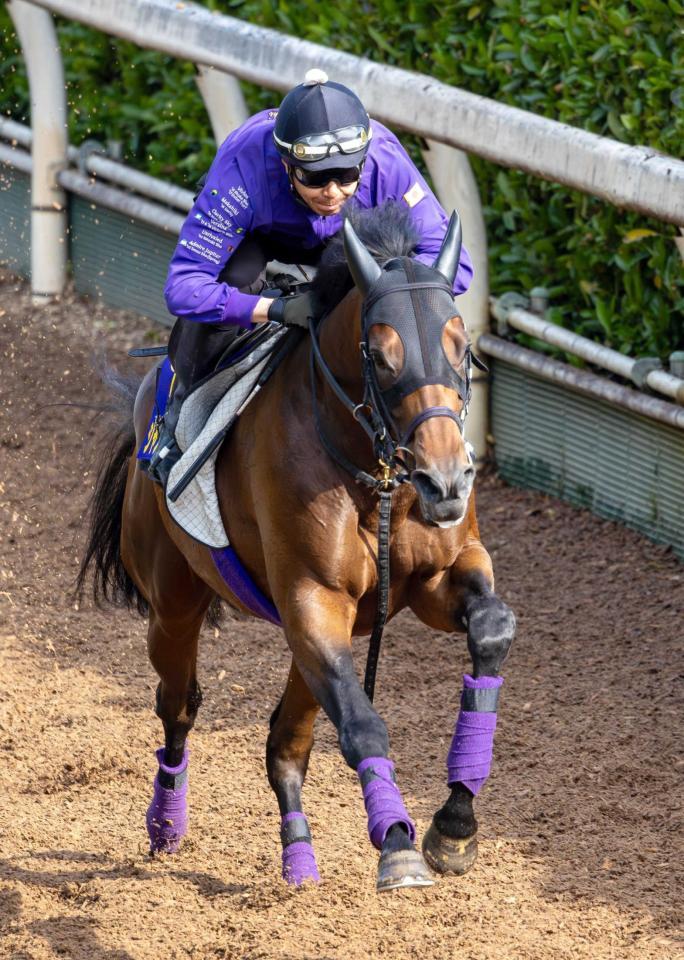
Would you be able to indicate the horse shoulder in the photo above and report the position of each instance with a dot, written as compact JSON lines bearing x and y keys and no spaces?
{"x":284,"y":503}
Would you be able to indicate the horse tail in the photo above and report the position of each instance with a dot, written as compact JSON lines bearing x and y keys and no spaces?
{"x":111,"y":580}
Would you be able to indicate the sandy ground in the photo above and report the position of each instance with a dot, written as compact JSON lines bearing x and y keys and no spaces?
{"x":580,"y":831}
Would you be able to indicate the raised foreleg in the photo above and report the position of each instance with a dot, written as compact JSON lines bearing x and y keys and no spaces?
{"x":464,"y":598}
{"x":318,"y":624}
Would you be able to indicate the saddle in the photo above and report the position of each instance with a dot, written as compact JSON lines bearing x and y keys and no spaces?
{"x":209,"y":412}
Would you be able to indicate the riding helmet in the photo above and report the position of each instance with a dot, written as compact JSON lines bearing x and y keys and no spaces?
{"x":322,"y":125}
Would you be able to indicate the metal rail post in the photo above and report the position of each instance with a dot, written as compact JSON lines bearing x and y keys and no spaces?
{"x":223,"y":99}
{"x":457,"y":189}
{"x":38,"y":38}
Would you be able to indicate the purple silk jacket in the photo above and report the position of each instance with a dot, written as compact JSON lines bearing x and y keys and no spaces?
{"x":247,"y":190}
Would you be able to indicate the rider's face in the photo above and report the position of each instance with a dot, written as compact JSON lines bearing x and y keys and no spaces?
{"x":327,"y":200}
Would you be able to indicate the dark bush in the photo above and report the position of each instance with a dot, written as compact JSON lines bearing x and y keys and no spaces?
{"x":613,"y":68}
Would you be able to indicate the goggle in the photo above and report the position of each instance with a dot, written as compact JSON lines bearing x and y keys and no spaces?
{"x":321,"y":178}
{"x":318,"y":146}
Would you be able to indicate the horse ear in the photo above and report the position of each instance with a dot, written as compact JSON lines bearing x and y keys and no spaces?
{"x":450,"y":251}
{"x":363,"y":268}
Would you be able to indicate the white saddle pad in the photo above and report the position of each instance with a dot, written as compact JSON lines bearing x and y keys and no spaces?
{"x":206,"y":412}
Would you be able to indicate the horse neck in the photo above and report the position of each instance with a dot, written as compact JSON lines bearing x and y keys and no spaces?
{"x":339,"y":338}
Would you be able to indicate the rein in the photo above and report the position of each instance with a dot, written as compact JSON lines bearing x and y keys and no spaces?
{"x":384,"y":487}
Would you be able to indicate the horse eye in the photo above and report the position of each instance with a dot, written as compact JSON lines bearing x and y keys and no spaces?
{"x":379,"y":360}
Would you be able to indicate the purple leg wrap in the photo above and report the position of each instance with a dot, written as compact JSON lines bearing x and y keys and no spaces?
{"x":381,"y":796}
{"x":299,"y":860}
{"x":167,"y":815}
{"x":470,"y":755}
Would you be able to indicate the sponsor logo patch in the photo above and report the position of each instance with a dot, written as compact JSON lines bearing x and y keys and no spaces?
{"x":414,"y":195}
{"x":218,"y":222}
{"x":229,"y":207}
{"x":240,"y":195}
{"x":208,"y":237}
{"x":205,"y":252}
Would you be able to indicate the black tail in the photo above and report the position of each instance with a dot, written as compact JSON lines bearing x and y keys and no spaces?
{"x":111,"y":581}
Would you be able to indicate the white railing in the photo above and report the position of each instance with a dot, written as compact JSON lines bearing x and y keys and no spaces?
{"x":644,"y":372}
{"x":452,"y":120}
{"x":637,"y":178}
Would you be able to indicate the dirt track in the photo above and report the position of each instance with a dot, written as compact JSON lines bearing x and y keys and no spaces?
{"x":580,"y":837}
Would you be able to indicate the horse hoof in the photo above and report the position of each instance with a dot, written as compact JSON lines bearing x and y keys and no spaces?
{"x":402,"y":868}
{"x":448,"y":854}
{"x":163,"y":837}
{"x":162,"y":845}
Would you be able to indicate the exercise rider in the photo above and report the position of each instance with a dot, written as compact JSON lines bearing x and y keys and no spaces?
{"x":276,"y":190}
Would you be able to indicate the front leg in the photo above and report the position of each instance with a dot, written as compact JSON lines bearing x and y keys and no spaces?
{"x":318,"y":624}
{"x":466,"y":598}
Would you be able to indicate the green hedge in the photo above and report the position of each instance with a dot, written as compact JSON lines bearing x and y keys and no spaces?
{"x":612,"y":68}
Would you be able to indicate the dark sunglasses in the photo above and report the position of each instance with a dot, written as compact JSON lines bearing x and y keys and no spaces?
{"x":321,"y":178}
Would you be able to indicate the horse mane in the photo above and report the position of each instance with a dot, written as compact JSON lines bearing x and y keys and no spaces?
{"x":386,"y":231}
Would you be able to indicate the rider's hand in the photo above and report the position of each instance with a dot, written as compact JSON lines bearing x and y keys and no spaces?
{"x":294,"y":311}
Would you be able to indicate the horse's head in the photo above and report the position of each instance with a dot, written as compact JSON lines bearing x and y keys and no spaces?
{"x":417,"y":368}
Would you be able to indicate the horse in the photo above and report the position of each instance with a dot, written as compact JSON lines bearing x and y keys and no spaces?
{"x":367,"y":411}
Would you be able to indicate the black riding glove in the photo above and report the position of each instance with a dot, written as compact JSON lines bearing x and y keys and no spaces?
{"x":294,"y":311}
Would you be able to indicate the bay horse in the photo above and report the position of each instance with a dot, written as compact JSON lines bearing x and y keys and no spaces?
{"x":390,"y":360}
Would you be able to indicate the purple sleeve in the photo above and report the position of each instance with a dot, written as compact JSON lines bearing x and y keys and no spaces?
{"x":399,"y":180}
{"x":218,"y":222}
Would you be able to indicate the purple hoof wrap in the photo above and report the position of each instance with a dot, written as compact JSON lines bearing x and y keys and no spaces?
{"x":381,"y":796}
{"x":470,"y":755}
{"x":299,"y":860}
{"x":167,"y":815}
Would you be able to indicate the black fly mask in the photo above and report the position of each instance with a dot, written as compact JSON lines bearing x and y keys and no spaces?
{"x":416,"y":301}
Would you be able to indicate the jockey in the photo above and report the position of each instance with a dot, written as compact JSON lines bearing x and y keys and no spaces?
{"x":276,"y":190}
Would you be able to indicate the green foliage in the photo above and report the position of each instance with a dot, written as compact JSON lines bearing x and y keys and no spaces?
{"x":614,"y":68}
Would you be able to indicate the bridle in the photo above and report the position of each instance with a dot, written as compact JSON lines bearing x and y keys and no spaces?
{"x":373,"y":414}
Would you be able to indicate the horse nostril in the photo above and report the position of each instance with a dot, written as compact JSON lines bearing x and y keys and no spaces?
{"x":430,"y":487}
{"x":437,"y":487}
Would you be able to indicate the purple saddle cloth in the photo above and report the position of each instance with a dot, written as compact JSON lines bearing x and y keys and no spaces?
{"x":239,"y":582}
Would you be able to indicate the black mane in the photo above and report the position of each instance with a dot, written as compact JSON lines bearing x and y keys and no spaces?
{"x":386,"y":231}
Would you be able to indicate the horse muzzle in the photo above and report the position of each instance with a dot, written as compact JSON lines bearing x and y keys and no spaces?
{"x":443,"y":496}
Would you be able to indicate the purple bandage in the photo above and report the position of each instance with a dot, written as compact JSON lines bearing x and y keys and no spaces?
{"x":470,"y":754}
{"x":167,"y":815}
{"x":381,"y":796}
{"x":299,"y":860}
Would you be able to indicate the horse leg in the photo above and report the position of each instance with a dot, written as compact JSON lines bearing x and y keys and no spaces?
{"x":450,"y":844}
{"x":318,"y":623}
{"x":172,"y":648}
{"x":178,"y":601}
{"x":287,"y":758}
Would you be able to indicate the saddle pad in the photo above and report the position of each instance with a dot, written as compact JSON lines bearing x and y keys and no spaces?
{"x":209,"y":410}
